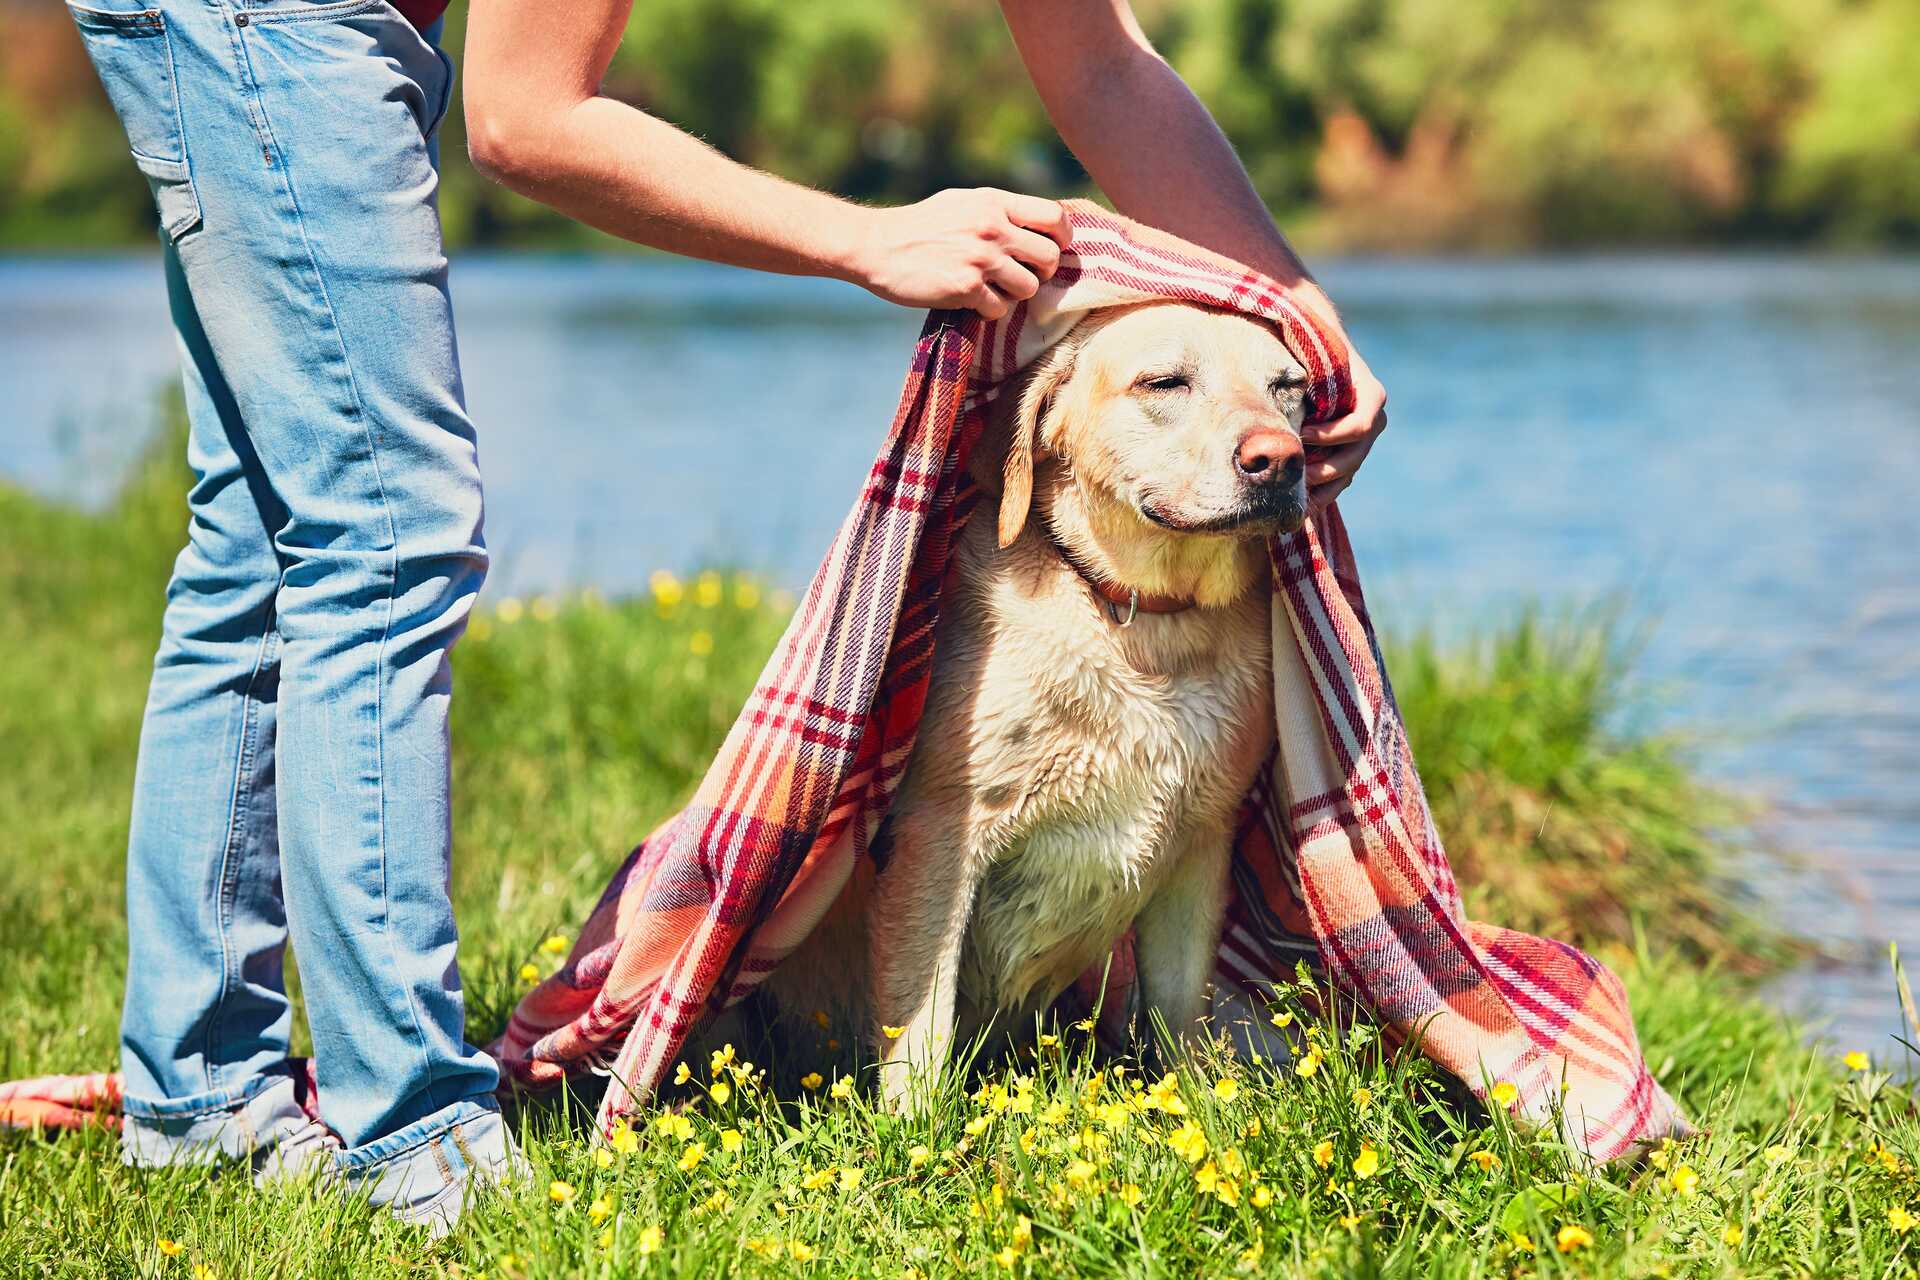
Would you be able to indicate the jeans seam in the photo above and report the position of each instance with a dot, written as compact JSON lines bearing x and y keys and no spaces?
{"x":393,"y":566}
{"x":236,"y":834}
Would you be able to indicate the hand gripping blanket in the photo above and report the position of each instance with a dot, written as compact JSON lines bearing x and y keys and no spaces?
{"x":1336,"y":853}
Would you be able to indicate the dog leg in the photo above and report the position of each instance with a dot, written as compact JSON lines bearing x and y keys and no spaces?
{"x":917,"y":929}
{"x":1177,"y":933}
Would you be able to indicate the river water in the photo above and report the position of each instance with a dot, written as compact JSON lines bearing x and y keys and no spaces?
{"x":1733,"y":443}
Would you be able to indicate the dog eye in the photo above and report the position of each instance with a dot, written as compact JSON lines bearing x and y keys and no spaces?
{"x":1291,"y":380}
{"x":1163,"y":382}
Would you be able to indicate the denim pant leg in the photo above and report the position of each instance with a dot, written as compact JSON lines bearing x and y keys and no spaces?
{"x":205,"y":1022}
{"x":295,"y":180}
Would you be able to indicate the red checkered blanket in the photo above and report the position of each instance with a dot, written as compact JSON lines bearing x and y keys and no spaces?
{"x":1336,"y":852}
{"x":1335,"y":846}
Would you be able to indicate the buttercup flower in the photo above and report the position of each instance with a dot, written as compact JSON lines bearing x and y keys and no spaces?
{"x":850,"y":1178}
{"x":1262,"y":1196}
{"x":1487,"y":1161}
{"x":623,"y":1139}
{"x":1571,"y":1237}
{"x":1732,"y":1234}
{"x":731,"y":1140}
{"x":720,"y":1091}
{"x":1901,"y":1219}
{"x":690,"y":1158}
{"x":561,"y":1192}
{"x":1283,"y":1020}
{"x":602,"y":1158}
{"x":555,"y":945}
{"x":1684,"y":1180}
{"x":169,"y":1248}
{"x":1778,"y":1154}
{"x":600,"y":1209}
{"x":799,"y":1251}
{"x":1308,"y":1065}
{"x":842,"y":1088}
{"x":700,"y":643}
{"x":530,"y":973}
{"x":918,"y":1155}
{"x":818,"y":1179}
{"x":1323,"y":1152}
{"x":1857,"y":1061}
{"x":649,"y":1240}
{"x":1504,"y":1094}
{"x":1363,"y":1097}
{"x":811,"y":1080}
{"x":682,"y":1073}
{"x":1367,"y":1163}
{"x":1189,"y":1142}
{"x":1226,"y":1089}
{"x":707,"y":589}
{"x":1130,"y":1194}
{"x":893,"y":1033}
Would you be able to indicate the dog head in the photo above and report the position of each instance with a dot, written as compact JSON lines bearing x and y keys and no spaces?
{"x":1172,"y":416}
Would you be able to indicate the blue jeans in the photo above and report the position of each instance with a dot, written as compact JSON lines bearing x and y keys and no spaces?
{"x":293,"y":772}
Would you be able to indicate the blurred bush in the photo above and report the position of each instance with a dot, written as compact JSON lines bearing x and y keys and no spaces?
{"x":1365,"y":123}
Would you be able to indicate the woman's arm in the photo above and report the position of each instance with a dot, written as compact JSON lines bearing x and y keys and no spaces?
{"x":537,"y":122}
{"x":1157,"y":153}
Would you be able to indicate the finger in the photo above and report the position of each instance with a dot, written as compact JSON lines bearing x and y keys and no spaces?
{"x":1037,"y":251}
{"x":1336,"y":464}
{"x":1012,"y":279}
{"x":1348,"y":430}
{"x":1048,"y":217}
{"x":1321,"y":496}
{"x":987,"y":301}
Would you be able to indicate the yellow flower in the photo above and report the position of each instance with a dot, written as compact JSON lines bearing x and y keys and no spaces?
{"x":977,"y":1126}
{"x":600,"y":1209}
{"x":1523,"y":1242}
{"x":1487,"y":1161}
{"x":1778,"y":1154}
{"x":1684,"y":1180}
{"x":707,"y":590}
{"x":731,"y":1140}
{"x":1085,"y":1024}
{"x":1323,"y":1152}
{"x":1081,"y":1172}
{"x":606,"y":1238}
{"x":1307,"y":1065}
{"x":1262,"y":1196}
{"x":1007,"y":1257}
{"x":918,"y":1155}
{"x":561,"y":1192}
{"x":1901,"y":1219}
{"x":850,"y":1178}
{"x":811,"y":1080}
{"x":1250,"y":1258}
{"x":675,"y":1125}
{"x":1732,"y":1234}
{"x":820,"y":1019}
{"x":651,"y":1237}
{"x":1351,"y":1221}
{"x":510,"y":611}
{"x":602,"y":1158}
{"x":682,"y":1073}
{"x":1571,"y":1237}
{"x":1253,"y":1128}
{"x":1282,"y":1020}
{"x":623,"y":1139}
{"x":529,"y":973}
{"x":690,"y":1158}
{"x":1363,"y":1097}
{"x":746,"y":593}
{"x":1226,"y":1089}
{"x":1048,"y":1040}
{"x":842,"y":1088}
{"x":667,"y":591}
{"x":818,"y":1179}
{"x":1367,"y":1163}
{"x":720,"y":1092}
{"x":1504,"y":1094}
{"x":169,"y":1248}
{"x":1130,"y":1194}
{"x":1189,"y":1142}
{"x":201,"y":1271}
{"x":1857,"y":1061}
{"x":799,"y":1251}
{"x":893,"y":1033}
{"x":700,"y":643}
{"x":555,"y":945}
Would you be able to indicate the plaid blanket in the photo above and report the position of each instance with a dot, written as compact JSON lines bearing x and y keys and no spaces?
{"x":1336,"y":855}
{"x":1336,"y":850}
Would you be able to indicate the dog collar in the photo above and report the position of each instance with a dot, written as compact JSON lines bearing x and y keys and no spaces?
{"x":1116,"y":597}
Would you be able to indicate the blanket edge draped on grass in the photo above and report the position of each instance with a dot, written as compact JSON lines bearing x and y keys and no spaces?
{"x":1336,"y":845}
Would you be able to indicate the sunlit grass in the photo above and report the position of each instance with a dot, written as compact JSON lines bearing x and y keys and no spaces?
{"x":581,"y":721}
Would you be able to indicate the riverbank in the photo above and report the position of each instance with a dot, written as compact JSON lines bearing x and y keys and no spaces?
{"x":582,"y":720}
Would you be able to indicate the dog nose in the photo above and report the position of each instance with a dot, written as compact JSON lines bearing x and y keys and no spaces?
{"x":1266,"y":456}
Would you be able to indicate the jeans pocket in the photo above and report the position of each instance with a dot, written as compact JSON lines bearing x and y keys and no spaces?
{"x":133,"y":55}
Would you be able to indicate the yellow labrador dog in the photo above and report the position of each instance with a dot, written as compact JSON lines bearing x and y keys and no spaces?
{"x":1101,"y":693}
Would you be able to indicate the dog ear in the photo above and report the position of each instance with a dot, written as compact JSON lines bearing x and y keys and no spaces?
{"x":1016,"y":477}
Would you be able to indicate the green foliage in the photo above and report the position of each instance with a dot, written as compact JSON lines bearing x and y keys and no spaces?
{"x":1367,"y":122}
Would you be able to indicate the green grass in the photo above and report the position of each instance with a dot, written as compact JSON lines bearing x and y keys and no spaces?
{"x":581,"y":722}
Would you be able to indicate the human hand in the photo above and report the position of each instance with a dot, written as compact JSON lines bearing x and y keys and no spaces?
{"x":1336,"y":449}
{"x":981,"y":249}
